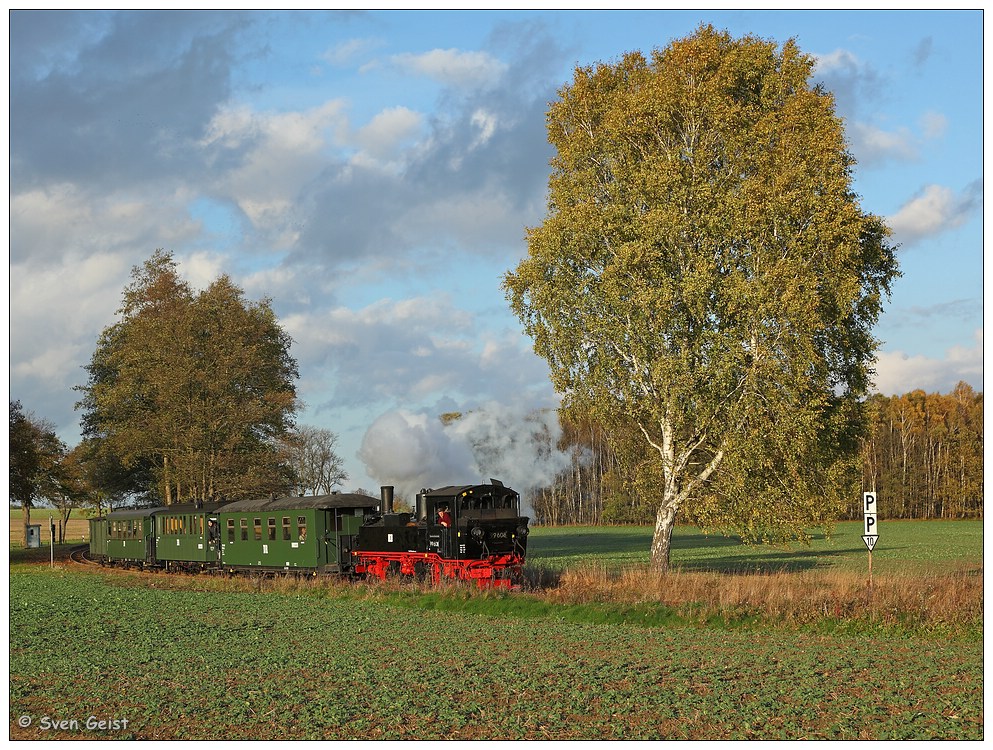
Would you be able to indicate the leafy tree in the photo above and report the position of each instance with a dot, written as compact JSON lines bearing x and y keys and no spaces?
{"x":71,"y":488}
{"x":111,"y":483}
{"x":706,"y":274}
{"x":24,"y":461}
{"x":35,"y":453}
{"x":200,"y":386}
{"x":316,"y":466}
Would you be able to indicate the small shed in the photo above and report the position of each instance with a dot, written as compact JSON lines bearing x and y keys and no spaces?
{"x":33,"y":540}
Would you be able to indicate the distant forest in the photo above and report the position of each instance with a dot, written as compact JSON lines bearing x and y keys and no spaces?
{"x":923,"y":456}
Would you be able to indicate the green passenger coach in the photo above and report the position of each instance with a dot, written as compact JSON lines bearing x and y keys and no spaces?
{"x":188,"y":536}
{"x":129,"y":536}
{"x":314,"y":533}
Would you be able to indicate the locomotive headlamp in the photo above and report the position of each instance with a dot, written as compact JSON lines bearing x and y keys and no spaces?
{"x":522,"y":531}
{"x":477,"y":533}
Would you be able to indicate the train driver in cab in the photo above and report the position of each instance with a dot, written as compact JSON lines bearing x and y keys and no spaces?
{"x":444,"y":517}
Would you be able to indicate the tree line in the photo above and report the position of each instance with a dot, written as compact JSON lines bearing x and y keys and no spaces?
{"x":925,"y":454}
{"x":922,"y":454}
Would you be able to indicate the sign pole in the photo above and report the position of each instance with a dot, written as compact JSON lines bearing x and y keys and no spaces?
{"x":870,"y":574}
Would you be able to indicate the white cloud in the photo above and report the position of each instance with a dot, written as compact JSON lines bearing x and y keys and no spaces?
{"x":57,"y":311}
{"x":409,"y":353}
{"x":201,"y":268}
{"x":873,"y":145}
{"x":453,"y":67}
{"x":277,"y":154}
{"x":388,"y":132}
{"x":898,"y":372}
{"x":838,"y":60}
{"x":394,"y":350}
{"x":46,"y":224}
{"x":935,"y":209}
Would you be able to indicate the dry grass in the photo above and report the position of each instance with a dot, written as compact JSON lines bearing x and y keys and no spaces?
{"x":934,"y":600}
{"x":931,"y":599}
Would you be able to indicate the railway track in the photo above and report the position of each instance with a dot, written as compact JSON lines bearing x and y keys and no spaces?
{"x":80,"y":555}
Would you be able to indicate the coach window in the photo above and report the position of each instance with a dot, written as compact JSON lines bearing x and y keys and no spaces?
{"x":230,"y":529}
{"x":286,"y":528}
{"x":258,"y":529}
{"x":244,"y":529}
{"x":272,"y":529}
{"x":302,"y":527}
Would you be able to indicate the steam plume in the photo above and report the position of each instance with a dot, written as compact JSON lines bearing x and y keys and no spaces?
{"x":414,"y":450}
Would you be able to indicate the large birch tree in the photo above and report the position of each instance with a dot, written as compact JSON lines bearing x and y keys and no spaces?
{"x":706,"y":274}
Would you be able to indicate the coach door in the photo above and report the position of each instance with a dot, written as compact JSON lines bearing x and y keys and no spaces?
{"x":213,"y":539}
{"x":147,"y":524}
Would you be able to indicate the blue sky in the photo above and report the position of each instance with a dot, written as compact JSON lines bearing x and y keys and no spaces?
{"x":373,"y":173}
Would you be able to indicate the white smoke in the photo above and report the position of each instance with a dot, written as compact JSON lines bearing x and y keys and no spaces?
{"x":413,"y":450}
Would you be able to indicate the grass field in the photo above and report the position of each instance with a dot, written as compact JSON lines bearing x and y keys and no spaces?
{"x":180,"y":657}
{"x":903,"y":547}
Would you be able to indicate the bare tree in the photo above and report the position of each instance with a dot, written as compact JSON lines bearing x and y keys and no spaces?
{"x":316,"y":465}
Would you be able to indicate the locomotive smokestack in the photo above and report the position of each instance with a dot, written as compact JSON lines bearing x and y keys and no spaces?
{"x":386,"y":497}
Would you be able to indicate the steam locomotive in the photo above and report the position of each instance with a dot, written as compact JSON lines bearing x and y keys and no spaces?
{"x":470,"y":533}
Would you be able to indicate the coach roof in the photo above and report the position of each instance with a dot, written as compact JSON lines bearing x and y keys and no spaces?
{"x":306,"y":502}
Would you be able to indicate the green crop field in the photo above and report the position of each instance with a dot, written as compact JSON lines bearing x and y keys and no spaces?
{"x":113,"y":655}
{"x":903,"y":547}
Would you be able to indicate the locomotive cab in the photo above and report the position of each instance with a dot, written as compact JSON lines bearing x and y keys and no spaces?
{"x":485,"y":520}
